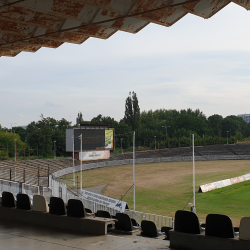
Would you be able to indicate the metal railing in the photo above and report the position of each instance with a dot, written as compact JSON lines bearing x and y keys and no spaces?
{"x":159,"y":220}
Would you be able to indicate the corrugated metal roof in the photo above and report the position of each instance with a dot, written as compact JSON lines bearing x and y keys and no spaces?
{"x":28,"y":25}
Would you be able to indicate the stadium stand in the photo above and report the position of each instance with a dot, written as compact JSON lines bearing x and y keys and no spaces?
{"x":8,"y":199}
{"x":40,"y":204}
{"x":148,"y":228}
{"x":186,"y":222}
{"x":244,"y":233}
{"x":57,"y":206}
{"x":75,"y":208}
{"x":219,"y":225}
{"x":23,"y":202}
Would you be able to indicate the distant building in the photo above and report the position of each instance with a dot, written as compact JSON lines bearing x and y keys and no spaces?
{"x":245,"y":117}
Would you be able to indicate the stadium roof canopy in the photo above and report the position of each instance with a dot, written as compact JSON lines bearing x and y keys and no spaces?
{"x":28,"y":25}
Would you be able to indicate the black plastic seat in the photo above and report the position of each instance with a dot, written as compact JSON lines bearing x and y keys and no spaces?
{"x":166,"y":231}
{"x":23,"y":202}
{"x":89,"y":211}
{"x":135,"y":223}
{"x":186,"y":222}
{"x":8,"y":199}
{"x":103,"y":214}
{"x":75,"y":208}
{"x":124,"y":222}
{"x":149,"y":229}
{"x":57,"y":206}
{"x":219,"y":225}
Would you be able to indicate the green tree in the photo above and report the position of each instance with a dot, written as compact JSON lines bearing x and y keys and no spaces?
{"x":79,"y":118}
{"x":215,"y":123}
{"x":132,"y":112}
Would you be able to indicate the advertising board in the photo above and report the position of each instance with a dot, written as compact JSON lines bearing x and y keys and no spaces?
{"x":101,"y":199}
{"x":109,"y":139}
{"x":94,"y":155}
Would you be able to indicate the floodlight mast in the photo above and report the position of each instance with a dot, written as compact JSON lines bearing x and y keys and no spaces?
{"x":74,"y":178}
{"x":134,"y":165}
{"x":194,"y":210}
{"x":80,"y":137}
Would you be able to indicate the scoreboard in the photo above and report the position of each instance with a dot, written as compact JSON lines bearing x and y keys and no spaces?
{"x":94,"y":138}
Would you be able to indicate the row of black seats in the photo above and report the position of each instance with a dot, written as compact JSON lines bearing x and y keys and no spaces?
{"x":217,"y":225}
{"x":76,"y":209}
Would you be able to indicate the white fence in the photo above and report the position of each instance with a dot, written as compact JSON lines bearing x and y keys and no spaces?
{"x":69,"y":170}
{"x":159,"y":220}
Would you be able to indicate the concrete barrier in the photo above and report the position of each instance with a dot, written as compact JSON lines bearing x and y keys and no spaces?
{"x":87,"y":225}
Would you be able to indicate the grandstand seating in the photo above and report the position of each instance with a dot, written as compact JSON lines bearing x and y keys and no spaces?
{"x":219,"y":225}
{"x":40,"y":204}
{"x":149,"y":229}
{"x":23,"y":202}
{"x":57,"y":206}
{"x":186,"y":222}
{"x":75,"y":208}
{"x":8,"y":199}
{"x":103,"y":214}
{"x":46,"y":167}
{"x":245,"y":229}
{"x":123,"y":222}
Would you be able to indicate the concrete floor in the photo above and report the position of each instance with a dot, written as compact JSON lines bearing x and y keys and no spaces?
{"x":15,"y":235}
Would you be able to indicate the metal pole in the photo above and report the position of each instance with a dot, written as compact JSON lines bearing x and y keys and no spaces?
{"x":80,"y":137}
{"x":134,"y":165}
{"x":54,"y":149}
{"x":15,"y":148}
{"x":194,"y":210}
{"x":74,"y":177}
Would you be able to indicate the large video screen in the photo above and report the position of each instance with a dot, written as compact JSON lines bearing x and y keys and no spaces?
{"x":92,"y":139}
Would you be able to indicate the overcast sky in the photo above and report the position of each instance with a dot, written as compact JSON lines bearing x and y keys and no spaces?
{"x":196,"y":63}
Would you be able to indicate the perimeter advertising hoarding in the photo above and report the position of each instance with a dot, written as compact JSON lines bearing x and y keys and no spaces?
{"x":94,"y":155}
{"x":223,"y":183}
{"x":101,"y":199}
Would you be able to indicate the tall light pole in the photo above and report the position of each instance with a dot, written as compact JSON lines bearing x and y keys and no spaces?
{"x":155,"y":142}
{"x":80,"y":137}
{"x":11,"y":125}
{"x":227,"y":137}
{"x":54,"y":149}
{"x":134,"y":165}
{"x":74,"y":178}
{"x":121,"y":145}
{"x":193,"y":208}
{"x":15,"y":148}
{"x":166,"y":127}
{"x":15,"y":157}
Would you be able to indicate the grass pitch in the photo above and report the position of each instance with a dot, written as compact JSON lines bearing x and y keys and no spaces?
{"x":163,"y":188}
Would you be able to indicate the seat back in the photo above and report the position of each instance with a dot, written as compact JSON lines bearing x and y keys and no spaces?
{"x":40,"y":204}
{"x":8,"y":199}
{"x":186,"y":222}
{"x":75,"y":208}
{"x":149,"y":229}
{"x":57,"y":206}
{"x":89,"y":211}
{"x":23,"y":202}
{"x":245,"y":229}
{"x":124,"y":222}
{"x":219,"y":225}
{"x":103,"y":214}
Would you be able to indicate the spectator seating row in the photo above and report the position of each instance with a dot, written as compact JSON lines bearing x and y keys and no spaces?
{"x":74,"y":209}
{"x":217,"y":233}
{"x":57,"y":215}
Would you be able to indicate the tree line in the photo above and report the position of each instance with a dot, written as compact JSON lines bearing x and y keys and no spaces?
{"x":165,"y":127}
